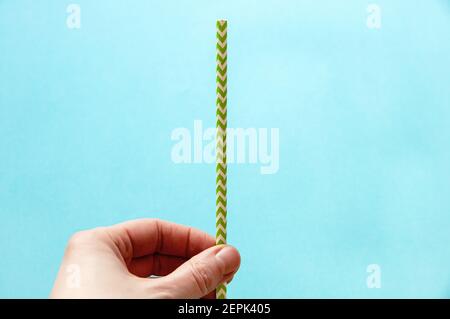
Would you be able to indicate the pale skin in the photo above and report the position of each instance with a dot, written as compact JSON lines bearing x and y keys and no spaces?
{"x":117,"y":261}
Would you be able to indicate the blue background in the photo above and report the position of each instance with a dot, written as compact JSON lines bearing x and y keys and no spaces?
{"x":86,"y":117}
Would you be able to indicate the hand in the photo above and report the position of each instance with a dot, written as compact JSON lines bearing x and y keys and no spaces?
{"x":116,"y":261}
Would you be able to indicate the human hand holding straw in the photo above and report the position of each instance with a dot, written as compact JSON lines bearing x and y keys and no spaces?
{"x":117,"y":261}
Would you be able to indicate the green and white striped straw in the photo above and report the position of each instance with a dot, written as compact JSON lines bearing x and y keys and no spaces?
{"x":221,"y":140}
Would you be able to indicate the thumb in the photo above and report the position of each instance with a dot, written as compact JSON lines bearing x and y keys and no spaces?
{"x":202,"y":273}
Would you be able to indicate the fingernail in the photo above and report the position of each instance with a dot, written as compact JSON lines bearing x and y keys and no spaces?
{"x":230,"y":258}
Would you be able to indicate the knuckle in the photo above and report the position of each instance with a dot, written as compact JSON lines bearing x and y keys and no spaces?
{"x":77,"y":238}
{"x":202,"y":277}
{"x":151,"y":219}
{"x":84,"y":237}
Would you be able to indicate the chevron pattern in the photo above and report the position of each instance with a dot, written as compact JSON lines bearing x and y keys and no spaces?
{"x":221,"y":140}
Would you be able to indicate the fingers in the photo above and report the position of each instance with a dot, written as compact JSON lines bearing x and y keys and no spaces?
{"x":158,"y":265}
{"x":142,"y":237}
{"x":202,"y":273}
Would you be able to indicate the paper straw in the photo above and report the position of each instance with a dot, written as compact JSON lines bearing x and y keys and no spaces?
{"x":221,"y":140}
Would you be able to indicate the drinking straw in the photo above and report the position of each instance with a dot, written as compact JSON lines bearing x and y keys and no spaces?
{"x":221,"y":143}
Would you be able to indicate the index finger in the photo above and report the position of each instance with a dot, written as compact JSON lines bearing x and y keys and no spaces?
{"x":147,"y":236}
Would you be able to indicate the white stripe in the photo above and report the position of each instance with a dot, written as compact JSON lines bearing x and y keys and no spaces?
{"x":220,"y":239}
{"x":221,"y":228}
{"x":222,"y":217}
{"x":222,"y":98}
{"x":222,"y":87}
{"x":222,"y":65}
{"x":222,"y":120}
{"x":220,"y":205}
{"x":222,"y":43}
{"x":219,"y":183}
{"x":222,"y":77}
{"x":222,"y":33}
{"x":222,"y":55}
{"x":221,"y":293}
